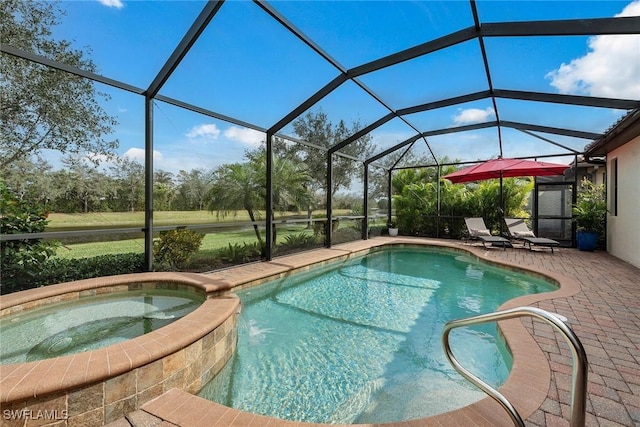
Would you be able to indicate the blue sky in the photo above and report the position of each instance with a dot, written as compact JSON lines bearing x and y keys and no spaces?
{"x":248,"y":67}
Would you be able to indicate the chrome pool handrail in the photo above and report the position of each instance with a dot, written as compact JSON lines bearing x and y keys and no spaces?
{"x":580,"y":364}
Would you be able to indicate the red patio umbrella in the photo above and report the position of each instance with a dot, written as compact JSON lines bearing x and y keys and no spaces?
{"x":505,"y":168}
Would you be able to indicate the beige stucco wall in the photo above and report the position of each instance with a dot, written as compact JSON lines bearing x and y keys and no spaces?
{"x":623,"y":230}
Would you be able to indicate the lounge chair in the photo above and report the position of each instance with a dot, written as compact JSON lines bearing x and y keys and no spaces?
{"x":518,"y":230}
{"x":479,"y":231}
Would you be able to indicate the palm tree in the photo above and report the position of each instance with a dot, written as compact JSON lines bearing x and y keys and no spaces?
{"x":237,"y":186}
{"x":290,"y":186}
{"x":161,"y":176}
{"x":243,"y":186}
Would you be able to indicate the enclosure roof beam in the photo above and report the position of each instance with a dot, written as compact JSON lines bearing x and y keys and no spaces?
{"x":299,"y":141}
{"x":363,"y":132}
{"x":449,"y":40}
{"x":207,"y":112}
{"x":566,"y":27}
{"x":464,"y":128}
{"x":405,"y":55}
{"x":317,"y":147}
{"x":392,"y":149}
{"x":598,"y":26}
{"x":310,"y":102}
{"x":334,"y":148}
{"x":485,"y":62}
{"x":404,"y":153}
{"x":552,"y":130}
{"x":549,"y":141}
{"x":328,"y":88}
{"x":515,"y":125}
{"x":445,"y":102}
{"x":587,"y":101}
{"x":299,"y":34}
{"x":206,"y":15}
{"x":38,"y":59}
{"x":120,"y":85}
{"x":475,"y":162}
{"x":578,"y":100}
{"x":562,"y":27}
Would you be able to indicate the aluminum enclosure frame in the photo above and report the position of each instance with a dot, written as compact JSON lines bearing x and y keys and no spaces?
{"x":479,"y":31}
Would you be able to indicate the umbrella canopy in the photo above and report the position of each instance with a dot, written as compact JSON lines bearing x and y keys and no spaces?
{"x":505,"y":168}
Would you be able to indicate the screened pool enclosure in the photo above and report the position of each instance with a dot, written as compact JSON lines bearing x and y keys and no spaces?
{"x":356,"y":91}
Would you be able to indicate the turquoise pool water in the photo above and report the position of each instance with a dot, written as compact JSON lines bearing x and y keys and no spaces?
{"x":89,"y":323}
{"x":360,"y":342}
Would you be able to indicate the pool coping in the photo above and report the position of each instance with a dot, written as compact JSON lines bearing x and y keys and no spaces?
{"x":526,"y":387}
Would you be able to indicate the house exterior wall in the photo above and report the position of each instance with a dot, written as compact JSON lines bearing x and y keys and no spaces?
{"x":595,"y":174}
{"x":623,"y":229}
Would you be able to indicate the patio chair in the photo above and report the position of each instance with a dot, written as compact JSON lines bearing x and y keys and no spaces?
{"x":479,"y":231}
{"x":519,"y":230}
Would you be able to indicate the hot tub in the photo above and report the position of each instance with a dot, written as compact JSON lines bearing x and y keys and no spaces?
{"x":101,"y":385}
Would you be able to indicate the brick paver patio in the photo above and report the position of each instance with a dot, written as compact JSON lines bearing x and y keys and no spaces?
{"x":606,"y":317}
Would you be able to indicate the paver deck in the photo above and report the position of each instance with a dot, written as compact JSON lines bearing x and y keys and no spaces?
{"x":603,"y":309}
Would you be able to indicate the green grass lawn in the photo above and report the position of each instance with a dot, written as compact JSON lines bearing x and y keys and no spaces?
{"x":212,"y":241}
{"x":59,"y":221}
{"x":64,"y":221}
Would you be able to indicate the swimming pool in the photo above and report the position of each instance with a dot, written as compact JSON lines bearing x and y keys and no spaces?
{"x":359,"y":342}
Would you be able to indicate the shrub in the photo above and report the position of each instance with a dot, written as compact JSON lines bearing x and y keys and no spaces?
{"x":378,"y":230}
{"x":237,"y":252}
{"x":299,"y":240}
{"x":66,"y":270}
{"x":102,"y":265}
{"x":346,"y":235}
{"x":174,"y":248}
{"x":21,"y":259}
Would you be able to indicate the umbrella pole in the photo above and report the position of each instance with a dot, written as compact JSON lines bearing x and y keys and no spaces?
{"x":501,"y":204}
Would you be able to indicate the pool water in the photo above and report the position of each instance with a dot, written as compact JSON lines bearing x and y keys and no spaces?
{"x":89,"y":323}
{"x":360,"y":342}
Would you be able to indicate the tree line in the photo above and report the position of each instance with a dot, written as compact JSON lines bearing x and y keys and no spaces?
{"x":82,"y":186}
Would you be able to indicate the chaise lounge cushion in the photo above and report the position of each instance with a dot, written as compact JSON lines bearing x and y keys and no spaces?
{"x":519,"y":230}
{"x":478,"y":230}
{"x":522,"y":234}
{"x":477,"y":233}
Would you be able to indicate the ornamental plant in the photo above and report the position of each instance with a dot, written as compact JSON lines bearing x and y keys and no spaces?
{"x":174,"y":248}
{"x":590,"y":209}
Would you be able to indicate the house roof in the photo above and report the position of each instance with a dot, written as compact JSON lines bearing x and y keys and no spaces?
{"x":625,"y":130}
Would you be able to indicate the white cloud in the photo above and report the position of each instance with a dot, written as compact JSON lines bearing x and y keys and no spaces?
{"x":246,"y":136}
{"x":118,"y":4}
{"x":610,"y":68}
{"x":473,"y":115}
{"x":206,"y":132}
{"x":101,"y":159}
{"x":137,"y":154}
